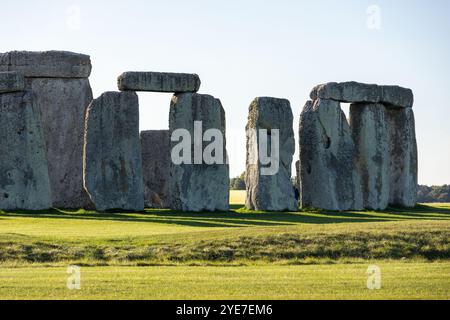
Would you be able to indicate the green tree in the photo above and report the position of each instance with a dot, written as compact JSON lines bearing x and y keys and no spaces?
{"x":238,"y":183}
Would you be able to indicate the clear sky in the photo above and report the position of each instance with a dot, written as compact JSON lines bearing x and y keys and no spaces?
{"x":244,"y":49}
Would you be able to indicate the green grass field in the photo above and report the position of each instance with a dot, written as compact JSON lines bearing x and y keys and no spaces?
{"x":162,"y":254}
{"x":399,"y":281}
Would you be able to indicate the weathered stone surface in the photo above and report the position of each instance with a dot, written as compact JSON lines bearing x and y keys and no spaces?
{"x":11,"y":82}
{"x":24,"y":181}
{"x":47,"y":64}
{"x":159,"y":82}
{"x":63,"y":104}
{"x":370,"y":129}
{"x":328,"y":175}
{"x":112,"y":153}
{"x":404,"y":159}
{"x":198,"y":187}
{"x":354,"y":92}
{"x":156,"y":167}
{"x":270,"y":192}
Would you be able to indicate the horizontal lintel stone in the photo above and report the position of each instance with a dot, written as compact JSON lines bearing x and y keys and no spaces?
{"x":354,"y":92}
{"x":47,"y":64}
{"x":159,"y":82}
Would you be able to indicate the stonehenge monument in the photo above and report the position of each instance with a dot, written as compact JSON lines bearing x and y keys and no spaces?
{"x":195,"y":185}
{"x":370,"y":162}
{"x":156,"y":160}
{"x":24,"y":179}
{"x":59,"y":80}
{"x":63,"y":149}
{"x":271,"y":191}
{"x":122,"y":174}
{"x":112,"y":153}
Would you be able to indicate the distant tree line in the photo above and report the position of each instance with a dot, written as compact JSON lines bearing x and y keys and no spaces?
{"x":238,"y":183}
{"x":425,"y":194}
{"x":428,"y":194}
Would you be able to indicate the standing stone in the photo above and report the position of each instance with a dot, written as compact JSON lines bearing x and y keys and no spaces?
{"x":59,"y":80}
{"x":112,"y":153}
{"x":11,"y":82}
{"x":273,"y":191}
{"x":63,"y":104}
{"x":404,"y":159}
{"x":328,"y":176}
{"x":370,"y":129}
{"x":156,"y":167}
{"x":24,"y":180}
{"x":159,"y":82}
{"x":197,"y":187}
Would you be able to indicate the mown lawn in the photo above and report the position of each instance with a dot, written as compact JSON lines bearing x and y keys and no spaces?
{"x":255,"y":254}
{"x":399,"y":281}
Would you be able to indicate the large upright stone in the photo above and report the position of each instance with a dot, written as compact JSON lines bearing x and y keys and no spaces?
{"x":24,"y":181}
{"x":156,"y":167}
{"x":112,"y":153}
{"x":203,"y":186}
{"x":159,"y":82}
{"x":11,"y":82}
{"x":59,"y":81}
{"x":328,"y":176}
{"x":270,"y":191}
{"x":47,"y":64}
{"x":63,"y":104}
{"x":370,"y":129}
{"x":404,"y":159}
{"x":354,"y":92}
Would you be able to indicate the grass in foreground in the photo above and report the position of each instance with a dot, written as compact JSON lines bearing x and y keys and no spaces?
{"x":162,"y":254}
{"x":399,"y":281}
{"x":163,"y":237}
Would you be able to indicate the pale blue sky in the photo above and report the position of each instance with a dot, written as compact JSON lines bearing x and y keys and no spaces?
{"x":244,"y":49}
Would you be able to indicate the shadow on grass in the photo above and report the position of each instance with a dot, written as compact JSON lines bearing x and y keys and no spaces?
{"x":239,"y":217}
